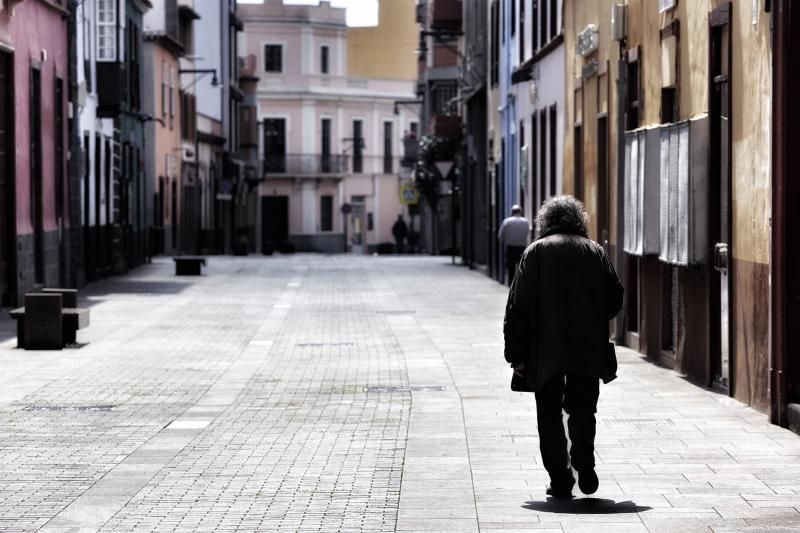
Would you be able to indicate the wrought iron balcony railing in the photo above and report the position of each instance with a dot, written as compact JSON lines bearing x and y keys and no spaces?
{"x":306,"y":164}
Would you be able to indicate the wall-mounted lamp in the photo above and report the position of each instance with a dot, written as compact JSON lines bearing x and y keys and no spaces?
{"x":212,"y":71}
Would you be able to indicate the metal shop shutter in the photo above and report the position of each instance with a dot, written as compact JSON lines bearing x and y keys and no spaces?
{"x":684,"y":194}
{"x":642,"y":168}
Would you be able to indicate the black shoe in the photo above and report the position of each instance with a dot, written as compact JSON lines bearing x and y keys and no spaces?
{"x":587,"y":481}
{"x":559,"y":492}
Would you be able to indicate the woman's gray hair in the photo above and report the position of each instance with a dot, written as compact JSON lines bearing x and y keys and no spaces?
{"x":562,"y":214}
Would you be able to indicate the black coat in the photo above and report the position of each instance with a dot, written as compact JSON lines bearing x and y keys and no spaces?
{"x":562,"y":298}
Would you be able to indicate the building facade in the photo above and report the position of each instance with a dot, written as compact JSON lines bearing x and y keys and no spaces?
{"x":438,"y":88}
{"x":680,"y":177}
{"x":34,"y":185}
{"x":227,"y":197}
{"x":331,"y":143}
{"x":112,"y":135}
{"x":167,"y":34}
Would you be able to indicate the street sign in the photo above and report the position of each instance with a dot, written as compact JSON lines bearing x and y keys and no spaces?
{"x":444,"y":168}
{"x":409,"y":195}
{"x":346,"y":208}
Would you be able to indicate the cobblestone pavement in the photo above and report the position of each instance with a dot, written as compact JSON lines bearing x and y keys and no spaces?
{"x":313,"y":393}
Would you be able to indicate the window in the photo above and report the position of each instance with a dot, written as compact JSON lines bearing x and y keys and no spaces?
{"x":358,"y":146}
{"x":543,"y":153}
{"x":326,"y":212}
{"x":633,"y":94}
{"x":495,"y":43}
{"x":414,"y":128}
{"x":87,"y":166}
{"x":275,"y":145}
{"x":543,"y":33}
{"x":273,"y":58}
{"x":164,"y":89}
{"x":324,"y":53}
{"x":535,"y":26}
{"x":388,"y":167}
{"x":521,"y":37}
{"x":171,"y":97}
{"x":326,"y":145}
{"x":578,"y":160}
{"x":554,"y":29}
{"x":87,"y":49}
{"x":59,"y":162}
{"x":106,"y":30}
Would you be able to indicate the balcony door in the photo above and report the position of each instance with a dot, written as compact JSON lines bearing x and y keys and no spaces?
{"x":275,"y":145}
{"x":325,"y":145}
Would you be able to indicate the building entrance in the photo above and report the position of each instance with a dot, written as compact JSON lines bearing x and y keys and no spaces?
{"x":274,"y":221}
{"x":7,"y":189}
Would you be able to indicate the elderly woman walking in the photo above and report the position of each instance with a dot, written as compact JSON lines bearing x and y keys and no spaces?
{"x":556,"y":337}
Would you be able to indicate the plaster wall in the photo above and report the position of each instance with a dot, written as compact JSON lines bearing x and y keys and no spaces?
{"x":387,"y":50}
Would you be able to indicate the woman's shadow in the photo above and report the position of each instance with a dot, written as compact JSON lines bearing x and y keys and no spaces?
{"x":585,"y":506}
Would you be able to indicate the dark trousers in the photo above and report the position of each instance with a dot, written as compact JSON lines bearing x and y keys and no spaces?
{"x":399,"y":246}
{"x":578,"y":396}
{"x":513,"y":255}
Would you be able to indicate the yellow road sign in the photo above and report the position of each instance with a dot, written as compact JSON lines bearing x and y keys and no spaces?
{"x":409,"y":195}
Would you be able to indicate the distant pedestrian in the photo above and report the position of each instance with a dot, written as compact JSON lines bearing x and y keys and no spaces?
{"x":556,"y":337}
{"x":400,"y":232}
{"x":513,"y":234}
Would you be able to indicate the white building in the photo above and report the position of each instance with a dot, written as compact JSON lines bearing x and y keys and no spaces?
{"x":536,"y":53}
{"x":329,"y":141}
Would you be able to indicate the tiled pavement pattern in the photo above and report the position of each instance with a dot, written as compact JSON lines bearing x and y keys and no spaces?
{"x":314,"y":393}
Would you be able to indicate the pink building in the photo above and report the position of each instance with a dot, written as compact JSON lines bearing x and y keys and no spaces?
{"x":328,"y":140}
{"x":34,"y":205}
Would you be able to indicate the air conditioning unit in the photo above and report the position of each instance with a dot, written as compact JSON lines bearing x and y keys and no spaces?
{"x":666,"y":5}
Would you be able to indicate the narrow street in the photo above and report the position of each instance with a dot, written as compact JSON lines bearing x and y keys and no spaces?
{"x":335,"y":393}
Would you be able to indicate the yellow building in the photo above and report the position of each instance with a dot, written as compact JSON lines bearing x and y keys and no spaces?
{"x":387,"y":50}
{"x":697,"y":176}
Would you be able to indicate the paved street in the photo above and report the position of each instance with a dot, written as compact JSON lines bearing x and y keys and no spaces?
{"x":314,"y":393}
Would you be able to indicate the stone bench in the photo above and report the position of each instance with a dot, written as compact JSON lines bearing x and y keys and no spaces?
{"x":45,"y":323}
{"x":188,"y":265}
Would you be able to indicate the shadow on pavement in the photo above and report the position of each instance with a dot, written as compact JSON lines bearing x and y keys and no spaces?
{"x":97,"y":292}
{"x":585,"y":506}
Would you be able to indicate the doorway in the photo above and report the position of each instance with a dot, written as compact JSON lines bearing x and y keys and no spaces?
{"x":8,"y":222}
{"x":785,"y":264}
{"x":37,"y":204}
{"x":274,"y":221}
{"x":720,"y":63}
{"x":358,"y":229}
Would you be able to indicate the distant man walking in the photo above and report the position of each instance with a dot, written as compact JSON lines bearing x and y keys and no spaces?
{"x":556,"y":337}
{"x":513,"y":234}
{"x":400,"y":232}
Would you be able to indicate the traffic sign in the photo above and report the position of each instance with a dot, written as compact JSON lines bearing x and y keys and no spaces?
{"x":409,"y":195}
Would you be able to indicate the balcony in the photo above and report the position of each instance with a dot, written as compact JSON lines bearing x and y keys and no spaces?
{"x":446,"y":125}
{"x":308,"y":165}
{"x":446,"y":15}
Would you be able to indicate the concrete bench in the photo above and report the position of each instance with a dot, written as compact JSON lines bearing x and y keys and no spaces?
{"x":44,"y":324}
{"x":188,"y":265}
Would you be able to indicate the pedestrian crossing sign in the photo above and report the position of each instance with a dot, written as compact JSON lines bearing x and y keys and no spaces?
{"x":409,"y":195}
